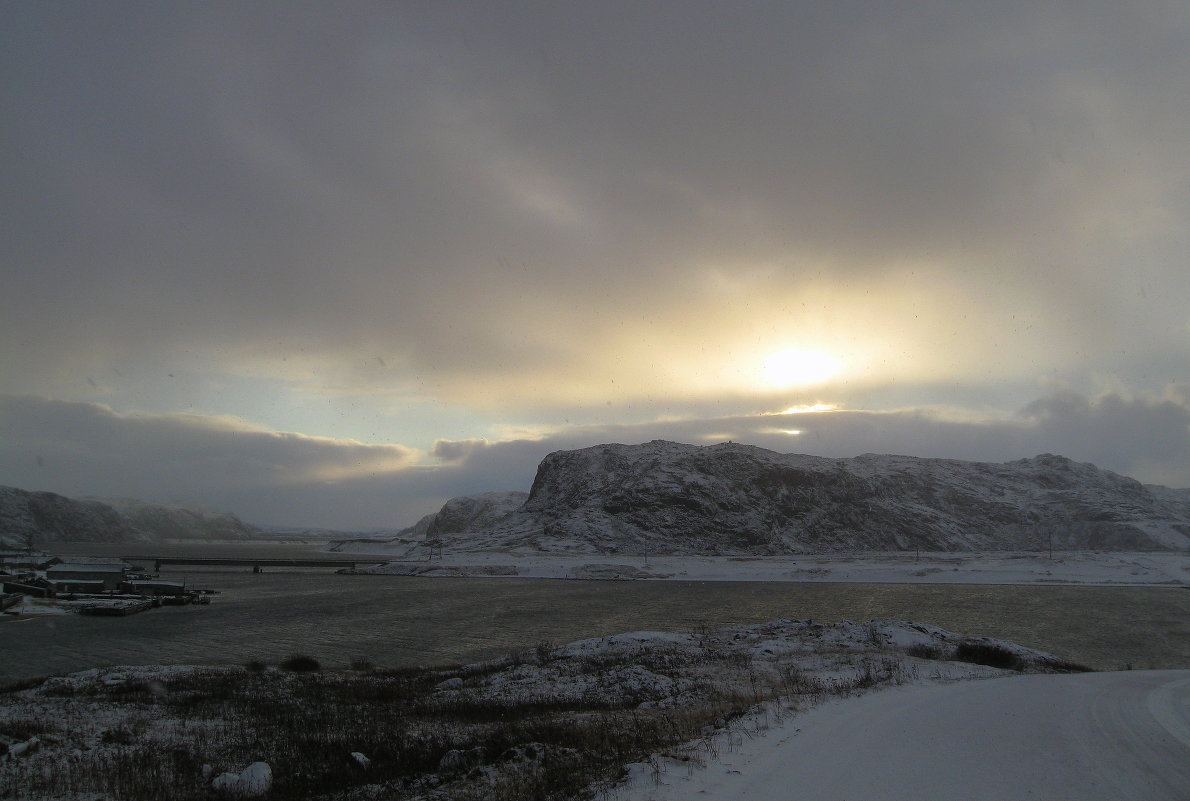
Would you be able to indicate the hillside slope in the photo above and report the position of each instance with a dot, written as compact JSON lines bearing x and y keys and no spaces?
{"x":665,"y":497}
{"x":50,"y":518}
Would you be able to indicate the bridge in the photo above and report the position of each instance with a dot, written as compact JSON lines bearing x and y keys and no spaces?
{"x":255,"y":564}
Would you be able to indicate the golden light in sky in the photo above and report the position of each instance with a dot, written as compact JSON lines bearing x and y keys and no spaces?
{"x":793,"y":367}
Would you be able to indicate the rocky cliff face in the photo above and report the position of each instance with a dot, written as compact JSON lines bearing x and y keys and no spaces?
{"x":664,"y":497}
{"x":49,"y":518}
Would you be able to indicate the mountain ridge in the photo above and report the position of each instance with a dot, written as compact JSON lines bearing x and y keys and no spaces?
{"x":734,"y":499}
{"x":50,"y":517}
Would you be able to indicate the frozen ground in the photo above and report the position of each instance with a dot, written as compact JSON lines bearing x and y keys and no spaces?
{"x":545,"y":721}
{"x":1074,"y":567}
{"x":1110,"y":736}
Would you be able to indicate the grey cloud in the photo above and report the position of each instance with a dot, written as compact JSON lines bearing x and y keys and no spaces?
{"x":87,"y":449}
{"x":457,"y":450}
{"x":428,"y":182}
{"x":1148,"y":438}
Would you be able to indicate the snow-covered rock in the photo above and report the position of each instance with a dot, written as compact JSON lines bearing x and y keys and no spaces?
{"x":666,"y":497}
{"x":23,"y":747}
{"x":456,"y":760}
{"x":254,"y":780}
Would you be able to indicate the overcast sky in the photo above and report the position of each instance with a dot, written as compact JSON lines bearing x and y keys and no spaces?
{"x":333,"y":263}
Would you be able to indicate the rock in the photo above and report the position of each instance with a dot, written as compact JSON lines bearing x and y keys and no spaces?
{"x":455,"y":761}
{"x":255,"y":780}
{"x":450,"y":684}
{"x":26,"y":747}
{"x":361,"y":760}
{"x":451,"y":761}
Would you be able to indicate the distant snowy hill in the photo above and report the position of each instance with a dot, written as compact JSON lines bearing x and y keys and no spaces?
{"x":665,"y":497}
{"x":177,"y":522}
{"x":473,"y":513}
{"x":462,"y":515}
{"x":55,"y":518}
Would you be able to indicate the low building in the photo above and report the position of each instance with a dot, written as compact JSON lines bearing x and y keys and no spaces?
{"x":109,"y":574}
{"x":76,"y":585}
{"x":16,"y":560}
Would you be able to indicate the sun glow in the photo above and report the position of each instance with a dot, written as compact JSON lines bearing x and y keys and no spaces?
{"x":810,"y":408}
{"x":793,"y":367}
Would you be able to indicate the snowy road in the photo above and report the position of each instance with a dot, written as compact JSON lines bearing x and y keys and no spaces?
{"x":1091,"y":736}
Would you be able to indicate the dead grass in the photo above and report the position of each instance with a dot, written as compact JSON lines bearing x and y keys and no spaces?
{"x":545,"y":723}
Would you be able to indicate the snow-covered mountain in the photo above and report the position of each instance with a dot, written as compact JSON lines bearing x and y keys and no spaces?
{"x":665,"y":497}
{"x":461,"y":515}
{"x":472,"y":513}
{"x":177,"y":522}
{"x":55,"y":518}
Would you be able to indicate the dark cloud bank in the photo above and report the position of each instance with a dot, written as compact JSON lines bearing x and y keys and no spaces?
{"x":269,"y":477}
{"x":476,"y":190}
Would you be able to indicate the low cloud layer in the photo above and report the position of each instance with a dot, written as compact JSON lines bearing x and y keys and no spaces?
{"x":272,"y":477}
{"x":84,"y":448}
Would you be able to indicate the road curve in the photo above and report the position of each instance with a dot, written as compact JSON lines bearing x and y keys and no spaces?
{"x":1110,"y":736}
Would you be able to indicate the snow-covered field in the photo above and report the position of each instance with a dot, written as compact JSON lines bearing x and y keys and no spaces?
{"x":1067,"y":567}
{"x":548,"y":721}
{"x":1086,"y":737}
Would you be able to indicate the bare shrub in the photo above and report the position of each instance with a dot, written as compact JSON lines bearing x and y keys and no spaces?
{"x":1066,"y":666}
{"x":926,"y":651}
{"x":985,"y":653}
{"x":300,"y":663}
{"x":546,"y":651}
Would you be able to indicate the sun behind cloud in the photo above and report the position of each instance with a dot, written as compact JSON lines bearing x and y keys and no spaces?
{"x":793,"y":367}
